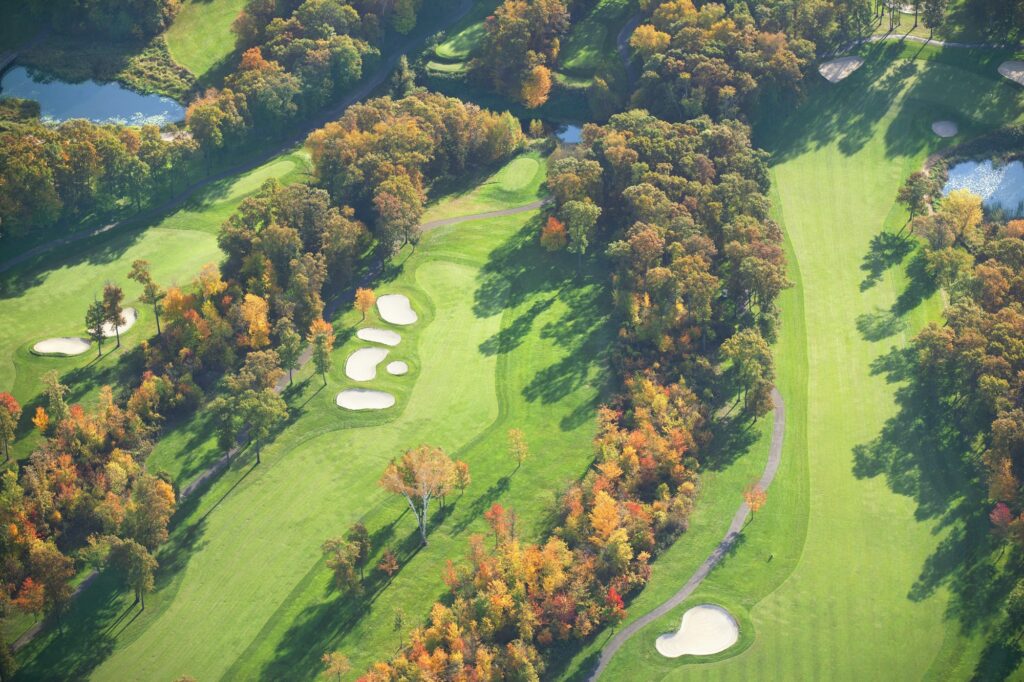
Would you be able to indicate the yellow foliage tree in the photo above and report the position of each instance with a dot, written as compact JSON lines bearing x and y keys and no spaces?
{"x":648,"y":40}
{"x":604,"y":518}
{"x":365,"y":298}
{"x":536,"y":87}
{"x":254,"y":312}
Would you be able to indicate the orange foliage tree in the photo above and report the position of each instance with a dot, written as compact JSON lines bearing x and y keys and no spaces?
{"x":553,"y":236}
{"x":365,"y":298}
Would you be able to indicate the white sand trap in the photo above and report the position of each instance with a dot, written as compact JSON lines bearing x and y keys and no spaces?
{"x":365,"y":399}
{"x":706,"y":629}
{"x":1014,"y":70}
{"x":362,"y":364}
{"x":945,"y":128}
{"x":838,"y":69}
{"x":72,"y":345}
{"x":129,"y":315}
{"x":396,"y":309}
{"x":385,"y":336}
{"x":397,"y":368}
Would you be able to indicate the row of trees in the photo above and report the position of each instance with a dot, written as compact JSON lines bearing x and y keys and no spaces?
{"x":680,"y":210}
{"x":117,"y":19}
{"x":49,"y":173}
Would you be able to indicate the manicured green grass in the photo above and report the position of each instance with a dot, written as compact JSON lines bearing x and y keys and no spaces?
{"x":201,"y":35}
{"x":508,"y":337}
{"x":590,"y":48}
{"x":516,"y":184}
{"x":464,"y":38}
{"x":856,"y":599}
{"x":448,"y":67}
{"x":42,"y":302}
{"x":965,"y":21}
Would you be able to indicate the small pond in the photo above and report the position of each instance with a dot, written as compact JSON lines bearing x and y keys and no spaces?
{"x":569,"y":134}
{"x":98,"y":102}
{"x":998,"y":186}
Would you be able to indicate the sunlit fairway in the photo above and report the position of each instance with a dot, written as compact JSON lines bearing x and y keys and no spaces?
{"x":508,"y":336}
{"x":201,"y":35}
{"x":840,"y":577}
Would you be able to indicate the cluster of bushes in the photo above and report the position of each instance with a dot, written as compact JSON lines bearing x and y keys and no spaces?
{"x":70,"y":170}
{"x":681,"y":210}
{"x":117,"y":19}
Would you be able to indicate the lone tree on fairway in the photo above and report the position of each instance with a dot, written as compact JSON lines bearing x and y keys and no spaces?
{"x":113,"y":296}
{"x":518,"y":449}
{"x":365,"y":298}
{"x":755,"y":497}
{"x":10,"y":413}
{"x":336,"y":665}
{"x":95,"y":319}
{"x":343,"y":559}
{"x":420,"y":475}
{"x":579,"y":218}
{"x":289,"y":346}
{"x":321,"y":337}
{"x":152,"y":294}
{"x":388,"y":564}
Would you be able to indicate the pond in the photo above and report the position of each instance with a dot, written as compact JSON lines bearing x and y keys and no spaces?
{"x":998,"y":186}
{"x":98,"y":102}
{"x":569,"y":134}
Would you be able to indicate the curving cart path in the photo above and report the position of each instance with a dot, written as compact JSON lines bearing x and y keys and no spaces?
{"x":774,"y":457}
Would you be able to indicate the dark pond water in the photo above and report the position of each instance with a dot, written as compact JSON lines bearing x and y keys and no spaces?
{"x":98,"y":102}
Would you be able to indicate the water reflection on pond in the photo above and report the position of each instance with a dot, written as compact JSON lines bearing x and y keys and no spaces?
{"x":998,"y":186}
{"x":98,"y":102}
{"x":569,"y":134}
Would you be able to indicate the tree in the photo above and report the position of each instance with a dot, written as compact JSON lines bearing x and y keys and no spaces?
{"x":55,"y":392}
{"x":553,"y":236}
{"x":321,"y":338}
{"x":135,"y":565}
{"x":536,"y":87}
{"x":403,"y":80}
{"x":403,"y":17}
{"x":342,"y":559}
{"x":419,"y":476}
{"x":962,"y":209}
{"x":647,"y":40}
{"x":31,"y":597}
{"x":388,"y":564}
{"x":255,"y":312}
{"x":580,"y":217}
{"x":462,"y":476}
{"x":41,"y":420}
{"x":262,"y":412}
{"x":398,"y":622}
{"x":95,"y":324}
{"x":54,"y":571}
{"x":360,"y":539}
{"x":755,"y":497}
{"x":754,"y":369}
{"x":915,"y":192}
{"x":336,"y":665}
{"x":113,"y":296}
{"x":933,"y":13}
{"x":289,"y":346}
{"x":10,"y":413}
{"x":152,"y":294}
{"x":365,"y":298}
{"x":518,"y":449}
{"x":149,"y":511}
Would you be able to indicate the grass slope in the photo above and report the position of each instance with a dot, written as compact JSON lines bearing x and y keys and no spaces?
{"x":516,"y":184}
{"x":201,"y":35}
{"x":590,"y":48}
{"x":508,"y":337}
{"x":864,"y":600}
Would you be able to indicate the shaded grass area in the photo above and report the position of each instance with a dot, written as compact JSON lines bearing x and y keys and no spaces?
{"x":965,"y":21}
{"x":515,"y":184}
{"x":873,"y":547}
{"x":508,"y":337}
{"x":201,"y":37}
{"x":590,"y":48}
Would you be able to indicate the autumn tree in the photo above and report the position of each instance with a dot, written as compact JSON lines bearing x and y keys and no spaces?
{"x":419,"y":476}
{"x":647,"y":40}
{"x":388,"y":564}
{"x":553,"y":236}
{"x":336,"y":666}
{"x":10,"y":413}
{"x":754,"y":496}
{"x":113,"y":296}
{"x":321,"y":338}
{"x":129,"y":559}
{"x":962,"y":210}
{"x":536,"y":87}
{"x":518,"y":449}
{"x":343,"y":560}
{"x":365,"y":298}
{"x":360,"y":539}
{"x":95,"y":324}
{"x":915,"y":192}
{"x":255,"y":312}
{"x":152,"y":294}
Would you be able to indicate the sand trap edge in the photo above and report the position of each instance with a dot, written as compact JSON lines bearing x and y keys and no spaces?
{"x":839,"y":69}
{"x":664,"y":643}
{"x":945,"y":128}
{"x":75,"y":345}
{"x":360,"y":399}
{"x":1013,"y":70}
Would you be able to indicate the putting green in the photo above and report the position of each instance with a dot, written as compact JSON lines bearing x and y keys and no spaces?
{"x":854,"y":597}
{"x":515,"y":184}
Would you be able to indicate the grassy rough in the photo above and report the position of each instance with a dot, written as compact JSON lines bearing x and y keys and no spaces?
{"x":201,"y":37}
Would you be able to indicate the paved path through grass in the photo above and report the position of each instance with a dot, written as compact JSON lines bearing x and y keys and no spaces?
{"x":738,"y":521}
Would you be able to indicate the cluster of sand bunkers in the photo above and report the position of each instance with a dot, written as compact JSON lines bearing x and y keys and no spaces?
{"x":842,"y":68}
{"x":67,"y":346}
{"x":362,"y":363}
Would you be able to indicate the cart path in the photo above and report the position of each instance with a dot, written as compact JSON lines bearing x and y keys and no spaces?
{"x":738,"y":520}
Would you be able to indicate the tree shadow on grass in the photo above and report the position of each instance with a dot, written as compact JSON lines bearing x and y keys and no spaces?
{"x":887,"y":250}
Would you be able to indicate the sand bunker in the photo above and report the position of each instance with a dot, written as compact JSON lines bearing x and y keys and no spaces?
{"x":396,"y":309}
{"x":706,"y":629}
{"x":397,"y":368}
{"x":362,"y":364}
{"x":365,"y":399}
{"x":72,"y":345}
{"x":838,"y":69}
{"x":945,"y":128}
{"x":129,"y":315}
{"x":1013,"y":70}
{"x":385,"y":336}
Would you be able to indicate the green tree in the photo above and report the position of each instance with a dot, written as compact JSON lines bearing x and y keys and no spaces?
{"x":321,"y":338}
{"x":580,"y":217}
{"x":152,"y":294}
{"x":113,"y":296}
{"x":95,"y":321}
{"x":289,"y":346}
{"x":55,"y":392}
{"x":10,"y":413}
{"x":933,"y":14}
{"x":754,"y":369}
